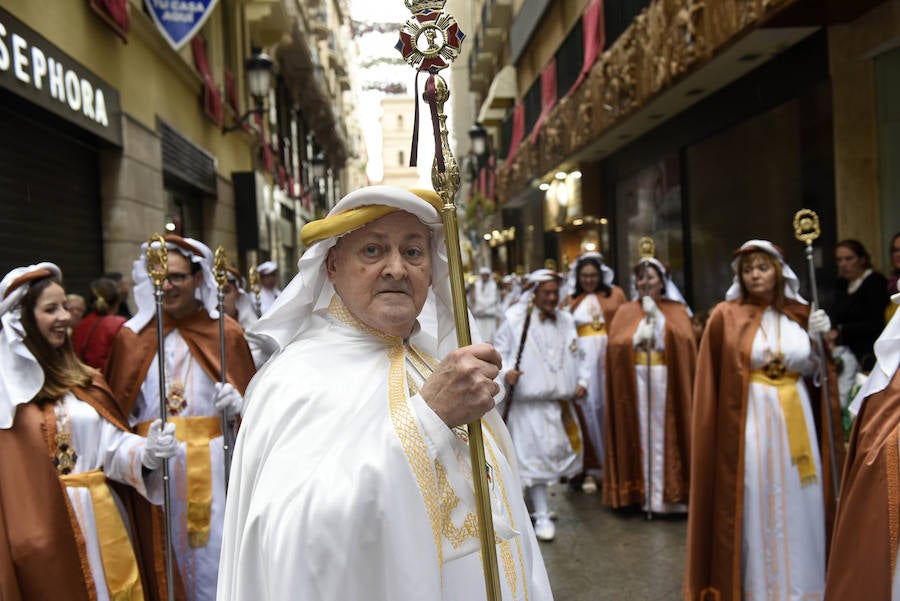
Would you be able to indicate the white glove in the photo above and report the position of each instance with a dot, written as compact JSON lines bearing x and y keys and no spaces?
{"x":161,"y":444}
{"x":650,"y":308}
{"x":644,"y":334}
{"x":819,"y":323}
{"x":228,"y":399}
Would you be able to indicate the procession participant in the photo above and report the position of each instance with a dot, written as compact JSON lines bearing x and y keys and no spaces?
{"x":485,"y":299}
{"x":94,"y":336}
{"x":593,"y":302}
{"x":510,"y":291}
{"x":64,"y":442}
{"x":364,"y":470}
{"x":268,"y":282}
{"x":552,"y":373}
{"x":238,"y":303}
{"x":652,"y":333}
{"x":757,"y":520}
{"x":195,"y":397}
{"x":863,"y":559}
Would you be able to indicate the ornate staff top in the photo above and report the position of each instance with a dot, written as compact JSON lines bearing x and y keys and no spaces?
{"x":157,"y":259}
{"x":220,"y":267}
{"x":806,"y":226}
{"x":646,"y":247}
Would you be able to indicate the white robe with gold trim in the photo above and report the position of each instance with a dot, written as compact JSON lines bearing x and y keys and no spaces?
{"x":345,"y":485}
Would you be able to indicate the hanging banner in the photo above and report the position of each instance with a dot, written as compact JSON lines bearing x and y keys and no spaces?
{"x":179,"y":20}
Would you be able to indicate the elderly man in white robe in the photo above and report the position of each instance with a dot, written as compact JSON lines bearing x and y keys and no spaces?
{"x":552,"y":373}
{"x":485,"y":303}
{"x":351,"y":477}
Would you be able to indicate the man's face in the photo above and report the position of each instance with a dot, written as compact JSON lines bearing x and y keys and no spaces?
{"x":546,"y":297}
{"x":179,"y":286}
{"x":382,"y":272}
{"x":269,"y":281}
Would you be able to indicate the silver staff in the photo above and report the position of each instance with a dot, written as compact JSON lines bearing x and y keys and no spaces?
{"x":158,"y":269}
{"x":647,"y":250}
{"x":806,"y":229}
{"x":221,"y":273}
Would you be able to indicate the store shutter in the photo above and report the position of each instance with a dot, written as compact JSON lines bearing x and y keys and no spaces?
{"x":49,"y":198}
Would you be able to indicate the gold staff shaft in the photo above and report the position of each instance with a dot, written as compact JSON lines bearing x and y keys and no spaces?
{"x":446,"y":184}
{"x":220,"y":271}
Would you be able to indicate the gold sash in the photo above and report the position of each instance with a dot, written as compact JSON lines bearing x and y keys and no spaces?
{"x":123,"y":581}
{"x":196,"y":432}
{"x":655,"y":357}
{"x":798,"y":435}
{"x":588,"y":329}
{"x":570,"y":423}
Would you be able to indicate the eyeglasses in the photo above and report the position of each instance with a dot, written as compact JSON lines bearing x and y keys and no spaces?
{"x":177,"y":279}
{"x":895,"y":249}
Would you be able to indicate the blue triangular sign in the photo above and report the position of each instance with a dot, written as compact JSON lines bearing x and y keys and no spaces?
{"x":179,"y":20}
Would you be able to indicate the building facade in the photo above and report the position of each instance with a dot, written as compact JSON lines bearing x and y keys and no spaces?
{"x":397,"y":114}
{"x":701,"y":123}
{"x":109,"y":134}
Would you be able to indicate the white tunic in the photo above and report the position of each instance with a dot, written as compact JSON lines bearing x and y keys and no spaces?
{"x":542,"y":420}
{"x":100,"y":445}
{"x":783,"y":548}
{"x":593,"y":349}
{"x":346,"y":485}
{"x":198,"y":565}
{"x":659,"y":377}
{"x":486,"y":307}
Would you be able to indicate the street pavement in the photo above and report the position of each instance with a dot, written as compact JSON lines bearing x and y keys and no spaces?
{"x":600,"y":554}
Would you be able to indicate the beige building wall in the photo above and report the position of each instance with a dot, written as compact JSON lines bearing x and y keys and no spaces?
{"x":397,"y":114}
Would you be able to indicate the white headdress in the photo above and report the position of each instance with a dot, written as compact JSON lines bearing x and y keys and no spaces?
{"x":21,"y":376}
{"x":195,"y":252}
{"x":791,"y":282}
{"x":606,"y":272}
{"x":670,"y":289}
{"x":310,"y":290}
{"x":266,"y":267}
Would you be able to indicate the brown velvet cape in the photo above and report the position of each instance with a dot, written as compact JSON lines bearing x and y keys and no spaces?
{"x":609,"y":305}
{"x":132,"y":354}
{"x":713,"y":562}
{"x":623,"y":479}
{"x":42,"y":552}
{"x":864,"y":544}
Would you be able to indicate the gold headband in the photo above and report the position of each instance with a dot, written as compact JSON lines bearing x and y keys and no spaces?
{"x":340,"y":224}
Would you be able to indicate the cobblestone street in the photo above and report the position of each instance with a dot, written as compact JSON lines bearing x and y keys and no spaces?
{"x":600,"y":554}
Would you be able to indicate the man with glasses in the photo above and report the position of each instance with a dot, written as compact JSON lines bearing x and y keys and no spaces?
{"x":195,"y":398}
{"x":894,"y":274}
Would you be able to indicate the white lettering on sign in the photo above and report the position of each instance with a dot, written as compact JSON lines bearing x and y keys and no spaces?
{"x":32,"y":66}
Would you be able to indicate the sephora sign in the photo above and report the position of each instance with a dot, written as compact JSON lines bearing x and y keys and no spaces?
{"x":35,"y":69}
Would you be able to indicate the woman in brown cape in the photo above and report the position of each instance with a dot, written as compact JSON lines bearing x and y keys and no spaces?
{"x":63,"y":528}
{"x":760,"y":491}
{"x":657,"y":328}
{"x":863,"y":559}
{"x":593,"y":303}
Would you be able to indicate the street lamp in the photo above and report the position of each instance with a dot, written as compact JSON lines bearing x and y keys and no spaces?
{"x":478,"y":137}
{"x":318,"y":165}
{"x":258,"y":73}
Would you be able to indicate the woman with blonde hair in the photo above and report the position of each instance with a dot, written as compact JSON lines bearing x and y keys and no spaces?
{"x":761,"y":496}
{"x":63,"y":525}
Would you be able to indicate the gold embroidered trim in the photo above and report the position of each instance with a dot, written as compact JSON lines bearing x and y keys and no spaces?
{"x":449,"y":502}
{"x":413,"y":444}
{"x":340,"y":311}
{"x":509,"y":568}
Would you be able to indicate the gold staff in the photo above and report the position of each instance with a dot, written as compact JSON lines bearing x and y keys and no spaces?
{"x":221,"y":273}
{"x":253,"y":279}
{"x":158,"y":269}
{"x":806,"y":230}
{"x":647,"y":250}
{"x":429,"y":42}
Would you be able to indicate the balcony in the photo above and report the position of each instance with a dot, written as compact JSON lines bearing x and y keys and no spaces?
{"x":496,"y":18}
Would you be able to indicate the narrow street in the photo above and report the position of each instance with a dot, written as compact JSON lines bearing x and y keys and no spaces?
{"x":600,"y":554}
